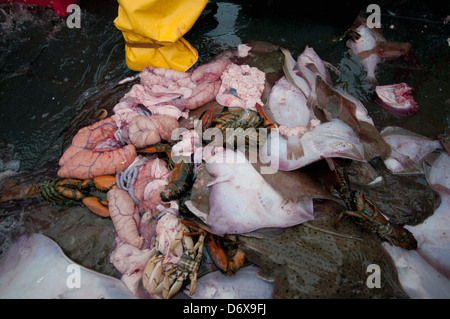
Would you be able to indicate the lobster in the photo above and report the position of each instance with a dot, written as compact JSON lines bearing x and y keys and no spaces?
{"x":364,"y":212}
{"x":242,"y":122}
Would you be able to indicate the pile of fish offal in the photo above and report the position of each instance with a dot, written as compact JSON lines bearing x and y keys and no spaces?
{"x":311,"y":200}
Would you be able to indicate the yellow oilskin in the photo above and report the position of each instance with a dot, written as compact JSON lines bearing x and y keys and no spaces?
{"x":153,"y":31}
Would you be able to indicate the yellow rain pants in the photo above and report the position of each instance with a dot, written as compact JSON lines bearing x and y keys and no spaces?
{"x":153,"y":31}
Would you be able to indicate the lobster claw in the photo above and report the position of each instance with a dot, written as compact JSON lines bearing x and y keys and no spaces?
{"x":96,"y":205}
{"x":102,"y":183}
{"x":105,"y":183}
{"x":229,"y":261}
{"x":159,"y":148}
{"x":181,"y":181}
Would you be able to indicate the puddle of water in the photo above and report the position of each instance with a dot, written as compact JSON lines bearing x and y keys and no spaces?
{"x":225,"y":32}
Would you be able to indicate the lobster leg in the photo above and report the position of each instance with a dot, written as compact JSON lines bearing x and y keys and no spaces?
{"x":337,"y":221}
{"x":344,"y":184}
